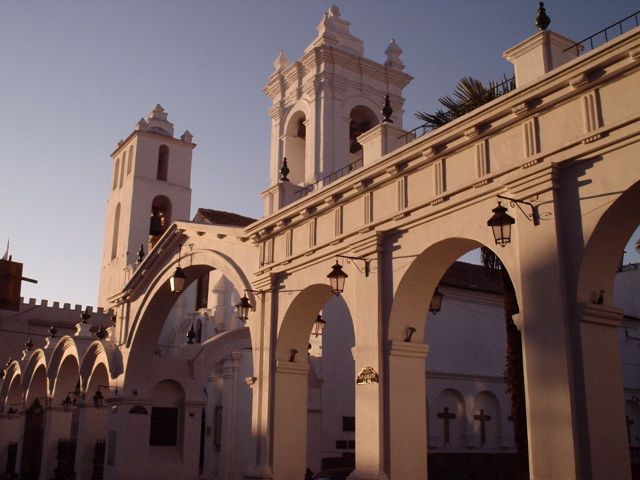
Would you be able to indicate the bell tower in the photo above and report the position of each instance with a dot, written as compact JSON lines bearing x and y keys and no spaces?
{"x":322,"y":103}
{"x":150,"y":188}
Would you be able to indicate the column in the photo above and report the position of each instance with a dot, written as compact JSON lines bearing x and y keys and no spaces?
{"x":211,"y":454}
{"x":92,"y":425}
{"x":604,"y":394}
{"x":290,"y":420}
{"x":407,"y":410}
{"x":229,"y":404}
{"x":365,"y":294}
{"x":263,"y":325}
{"x":56,"y":426}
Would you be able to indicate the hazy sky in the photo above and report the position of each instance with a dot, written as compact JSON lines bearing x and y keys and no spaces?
{"x":77,"y":75}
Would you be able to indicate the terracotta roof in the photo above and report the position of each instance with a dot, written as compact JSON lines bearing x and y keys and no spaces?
{"x":218,"y":217}
{"x":471,"y":277}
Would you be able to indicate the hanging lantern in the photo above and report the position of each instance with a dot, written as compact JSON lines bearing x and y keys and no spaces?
{"x":436,"y":302}
{"x":336,"y":279}
{"x":501,"y":223}
{"x":243,"y":308}
{"x":318,"y":326}
{"x":178,"y":280}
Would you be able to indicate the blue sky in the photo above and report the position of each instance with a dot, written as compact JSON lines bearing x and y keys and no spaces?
{"x":77,"y":75}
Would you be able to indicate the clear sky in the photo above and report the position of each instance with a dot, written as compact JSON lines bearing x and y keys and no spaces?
{"x":76,"y":75}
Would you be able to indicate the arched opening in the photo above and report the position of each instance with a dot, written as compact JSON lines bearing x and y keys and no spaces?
{"x":315,"y":388}
{"x":166,"y":417}
{"x":361,"y":120}
{"x":115,"y":235}
{"x":116,"y":172}
{"x":160,"y":218}
{"x":295,"y":145}
{"x":163,"y":163}
{"x":11,"y":429}
{"x":609,"y":321}
{"x":122,"y":165}
{"x":130,"y":160}
{"x":467,"y":343}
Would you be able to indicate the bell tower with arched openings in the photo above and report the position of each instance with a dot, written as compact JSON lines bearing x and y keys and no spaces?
{"x":322,"y":103}
{"x":150,"y":188}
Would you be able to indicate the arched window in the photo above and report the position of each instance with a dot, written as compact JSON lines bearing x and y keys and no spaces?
{"x":116,"y":170}
{"x":116,"y":229}
{"x":122,"y":171}
{"x":130,"y":158}
{"x":295,"y":145}
{"x":163,"y":162}
{"x":160,"y":215}
{"x":361,"y":119}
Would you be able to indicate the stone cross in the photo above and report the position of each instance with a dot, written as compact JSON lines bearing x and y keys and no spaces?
{"x":482,"y":418}
{"x":446,"y":416}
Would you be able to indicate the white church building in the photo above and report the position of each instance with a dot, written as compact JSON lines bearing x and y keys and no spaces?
{"x":221,"y":348}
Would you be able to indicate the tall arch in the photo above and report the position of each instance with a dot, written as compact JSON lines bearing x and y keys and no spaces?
{"x":361,"y":120}
{"x":295,"y":147}
{"x":162,"y":172}
{"x":116,"y":232}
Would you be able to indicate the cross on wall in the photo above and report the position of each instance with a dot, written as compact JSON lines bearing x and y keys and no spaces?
{"x":446,"y":416}
{"x":482,"y":418}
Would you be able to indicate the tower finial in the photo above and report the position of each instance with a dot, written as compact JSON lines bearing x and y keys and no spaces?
{"x":387,"y":111}
{"x":284,"y":171}
{"x":542,"y":19}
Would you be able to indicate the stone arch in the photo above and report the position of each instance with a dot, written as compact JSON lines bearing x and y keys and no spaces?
{"x":36,"y":360}
{"x":157,"y":301}
{"x":604,"y":246}
{"x":65,"y":347}
{"x":361,"y":120}
{"x":416,"y":286}
{"x":65,"y":381}
{"x":36,"y":386}
{"x":12,"y":373}
{"x":216,"y":348}
{"x":96,"y":355}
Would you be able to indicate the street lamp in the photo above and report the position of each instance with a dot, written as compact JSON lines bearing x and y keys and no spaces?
{"x":500,"y":223}
{"x":336,"y":279}
{"x":243,"y":308}
{"x":318,"y":326}
{"x":179,"y":279}
{"x":436,"y":302}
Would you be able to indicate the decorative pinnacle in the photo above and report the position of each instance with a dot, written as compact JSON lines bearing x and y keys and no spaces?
{"x":52,"y":331}
{"x":542,"y":19}
{"x":191,"y":334}
{"x":141,"y":253}
{"x":284,"y":171}
{"x":101,"y":334}
{"x":85,"y":315}
{"x":387,"y":111}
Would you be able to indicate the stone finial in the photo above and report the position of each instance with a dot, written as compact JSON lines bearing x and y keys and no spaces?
{"x":393,"y":53}
{"x":333,"y":31}
{"x":141,"y":253}
{"x":387,"y":111}
{"x":158,"y":112}
{"x":281,"y":62}
{"x":186,"y":136}
{"x":141,"y":125}
{"x":542,"y":19}
{"x":284,"y":171}
{"x":334,"y":11}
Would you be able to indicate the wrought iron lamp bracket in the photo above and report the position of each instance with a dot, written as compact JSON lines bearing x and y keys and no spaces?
{"x":366,"y":269}
{"x":534,"y":216}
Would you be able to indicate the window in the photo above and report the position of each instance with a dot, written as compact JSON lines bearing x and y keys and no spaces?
{"x":116,"y":228}
{"x":130,"y":158}
{"x":202,"y":292}
{"x":116,"y":169}
{"x":121,"y":172}
{"x":348,"y":424}
{"x":164,"y":426}
{"x":163,"y":163}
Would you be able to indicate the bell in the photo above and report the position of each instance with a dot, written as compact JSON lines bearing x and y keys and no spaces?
{"x":155,"y":226}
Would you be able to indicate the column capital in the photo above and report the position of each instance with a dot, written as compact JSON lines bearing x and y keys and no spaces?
{"x":408,"y":349}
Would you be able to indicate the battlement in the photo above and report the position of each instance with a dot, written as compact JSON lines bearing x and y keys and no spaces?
{"x":66,"y":307}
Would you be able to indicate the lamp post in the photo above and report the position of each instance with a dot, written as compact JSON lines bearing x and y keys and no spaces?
{"x":98,"y":397}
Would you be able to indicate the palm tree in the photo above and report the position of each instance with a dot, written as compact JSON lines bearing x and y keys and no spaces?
{"x":471,"y":93}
